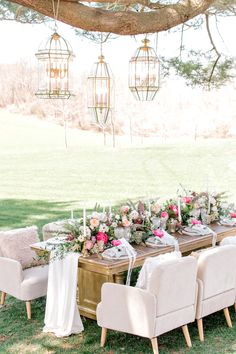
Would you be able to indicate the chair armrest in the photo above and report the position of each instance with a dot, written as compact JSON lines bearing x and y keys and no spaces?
{"x":127,"y":309}
{"x":199,"y":299}
{"x":11,"y":276}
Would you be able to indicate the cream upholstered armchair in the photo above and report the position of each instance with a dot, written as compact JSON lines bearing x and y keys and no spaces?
{"x":216,"y":283}
{"x":168,"y":303}
{"x":230,"y":240}
{"x":21,"y":274}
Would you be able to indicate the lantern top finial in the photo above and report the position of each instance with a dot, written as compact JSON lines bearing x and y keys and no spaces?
{"x":101,"y":58}
{"x":145,"y":42}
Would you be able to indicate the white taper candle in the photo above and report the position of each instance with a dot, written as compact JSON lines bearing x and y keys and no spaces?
{"x":179,"y":210}
{"x":84,"y":221}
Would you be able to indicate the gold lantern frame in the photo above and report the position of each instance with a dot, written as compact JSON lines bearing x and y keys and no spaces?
{"x":54,"y":56}
{"x":144,"y":73}
{"x":101,"y":91}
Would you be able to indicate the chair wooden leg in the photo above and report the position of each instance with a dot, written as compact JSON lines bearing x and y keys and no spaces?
{"x":154,"y":345}
{"x":3,"y":297}
{"x":200,"y":329}
{"x":187,"y":336}
{"x":28,"y":309}
{"x":227,"y":317}
{"x":103,"y":336}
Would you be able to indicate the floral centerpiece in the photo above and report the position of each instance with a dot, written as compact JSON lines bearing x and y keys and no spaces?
{"x":137,"y":221}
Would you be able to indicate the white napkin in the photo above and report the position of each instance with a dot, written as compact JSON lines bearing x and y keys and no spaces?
{"x":165,"y":240}
{"x":62,"y":316}
{"x":200,"y":230}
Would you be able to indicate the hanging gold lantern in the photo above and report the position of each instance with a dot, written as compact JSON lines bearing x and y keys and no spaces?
{"x":100,"y":92}
{"x":54,"y":57}
{"x":144,"y":73}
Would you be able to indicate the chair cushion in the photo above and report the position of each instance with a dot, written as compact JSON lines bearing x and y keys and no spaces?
{"x":15,"y":244}
{"x":34,"y":284}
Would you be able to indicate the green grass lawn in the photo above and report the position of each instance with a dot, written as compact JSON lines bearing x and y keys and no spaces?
{"x":41,"y":181}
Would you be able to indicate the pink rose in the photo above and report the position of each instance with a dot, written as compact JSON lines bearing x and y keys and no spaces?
{"x":158,"y":233}
{"x":186,"y":200}
{"x":174,"y":208}
{"x":101,"y":236}
{"x":164,"y":214}
{"x":196,"y":222}
{"x":88,"y":245}
{"x":124,"y":209}
{"x":233,"y":215}
{"x":116,"y":242}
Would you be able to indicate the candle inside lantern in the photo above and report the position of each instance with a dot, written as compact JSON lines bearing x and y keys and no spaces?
{"x":110,"y":209}
{"x":72,"y":214}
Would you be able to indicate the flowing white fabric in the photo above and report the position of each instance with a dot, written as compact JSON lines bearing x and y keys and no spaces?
{"x":62,"y":315}
{"x":132,"y":257}
{"x":150,"y":264}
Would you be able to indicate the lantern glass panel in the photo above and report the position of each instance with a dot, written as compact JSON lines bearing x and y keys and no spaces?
{"x":100,"y":92}
{"x":144,"y":73}
{"x":54,"y":58}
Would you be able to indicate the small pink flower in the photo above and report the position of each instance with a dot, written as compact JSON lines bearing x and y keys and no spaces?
{"x":186,"y":200}
{"x":164,"y":215}
{"x":88,"y":245}
{"x":124,"y":209}
{"x":94,"y":222}
{"x":196,"y":222}
{"x":158,"y":233}
{"x":70,"y":237}
{"x":93,"y":238}
{"x":174,"y":208}
{"x":116,"y":242}
{"x":233,"y":215}
{"x":101,"y":236}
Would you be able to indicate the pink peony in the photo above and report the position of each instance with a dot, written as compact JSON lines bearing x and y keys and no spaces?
{"x":164,"y":214}
{"x":233,"y":215}
{"x":158,"y":233}
{"x":101,"y":236}
{"x":196,"y":222}
{"x":174,"y":208}
{"x":88,"y":245}
{"x":116,"y":242}
{"x":186,"y":200}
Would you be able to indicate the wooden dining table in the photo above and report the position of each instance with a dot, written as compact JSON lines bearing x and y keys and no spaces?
{"x":93,"y":271}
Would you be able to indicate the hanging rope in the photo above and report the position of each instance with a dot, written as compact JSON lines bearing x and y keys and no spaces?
{"x":101,"y":43}
{"x":156,"y":42}
{"x":55,"y":12}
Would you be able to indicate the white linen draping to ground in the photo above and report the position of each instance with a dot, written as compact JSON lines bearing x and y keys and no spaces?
{"x":62,"y":315}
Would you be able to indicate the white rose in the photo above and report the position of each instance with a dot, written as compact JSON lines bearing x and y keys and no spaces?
{"x":81,"y":238}
{"x":117,"y":217}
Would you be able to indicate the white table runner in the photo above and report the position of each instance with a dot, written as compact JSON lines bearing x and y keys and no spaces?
{"x":62,"y":315}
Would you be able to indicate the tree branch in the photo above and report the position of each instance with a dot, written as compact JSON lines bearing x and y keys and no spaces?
{"x":213,"y":47}
{"x":119,"y":22}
